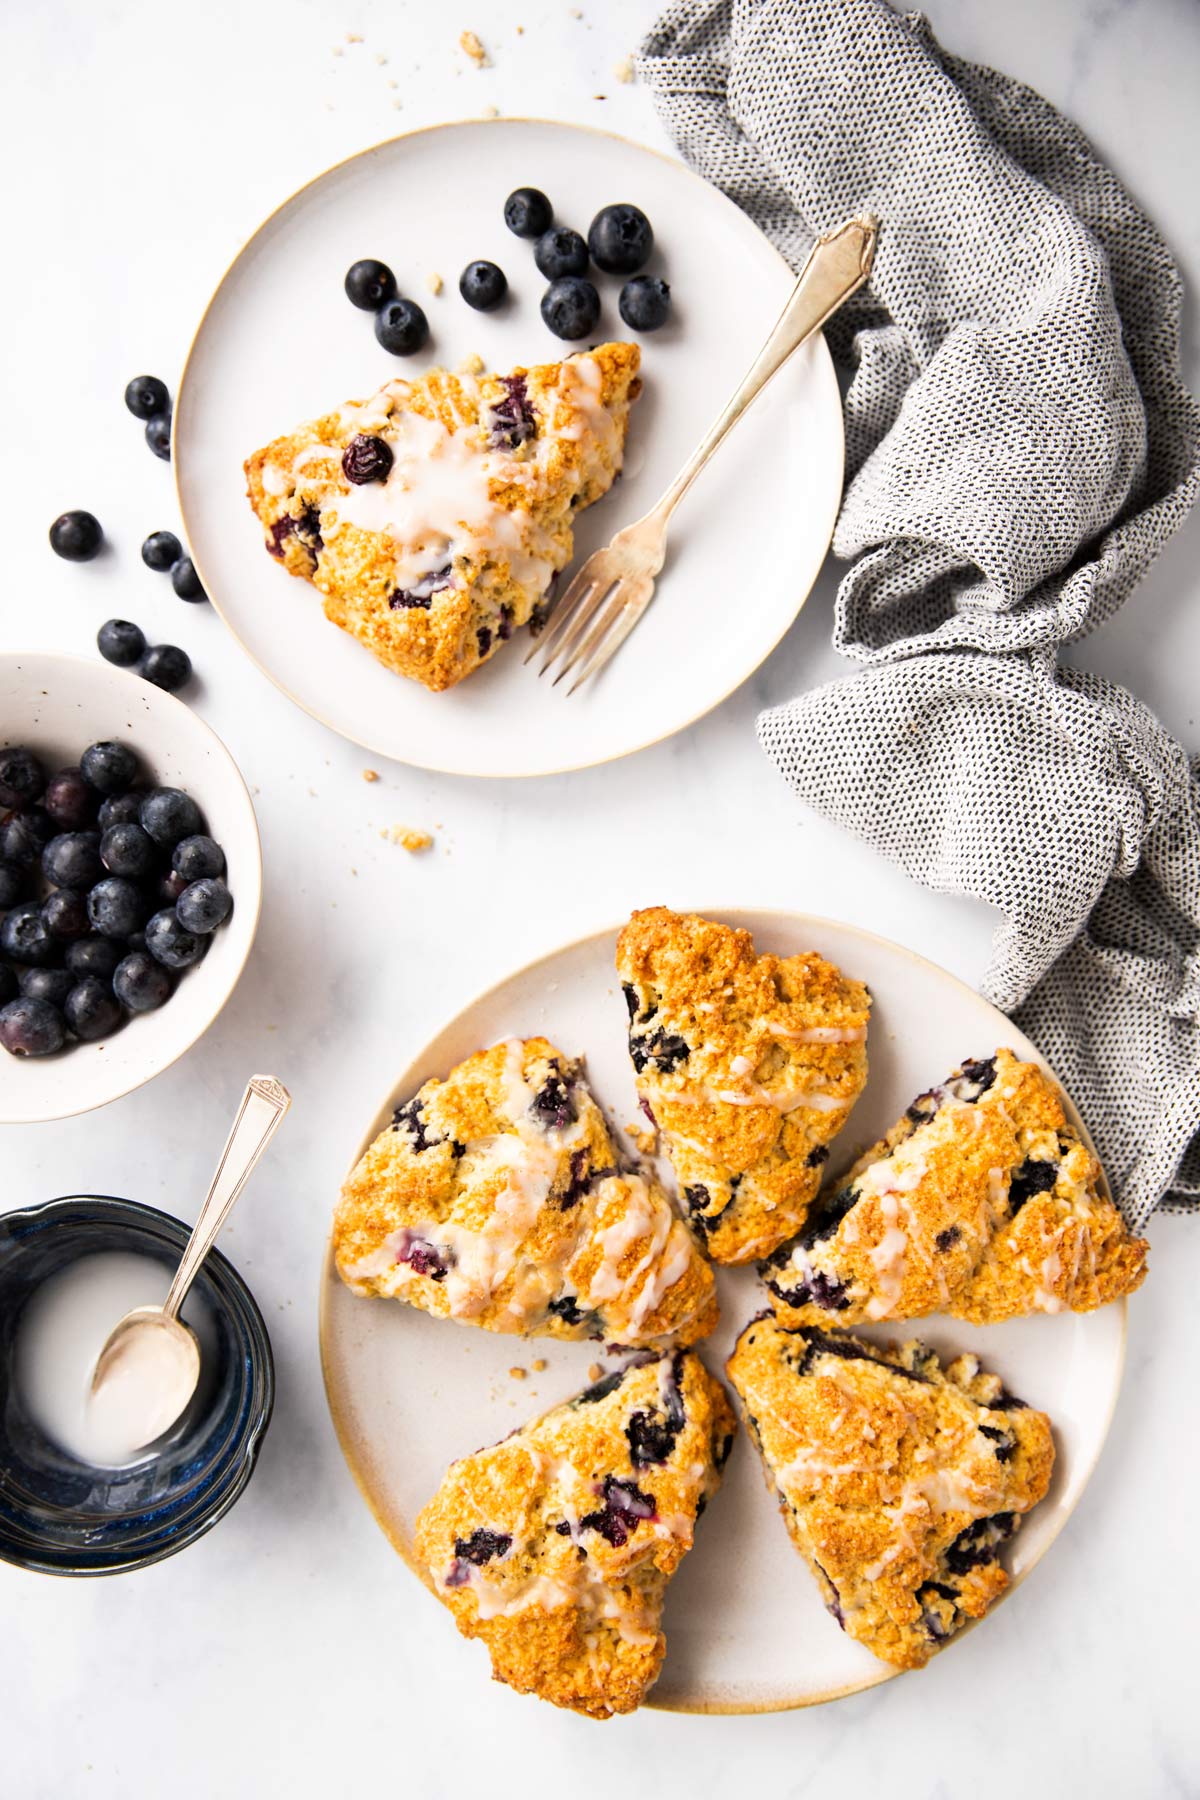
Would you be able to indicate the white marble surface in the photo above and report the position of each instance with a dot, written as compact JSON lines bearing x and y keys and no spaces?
{"x":290,"y":1652}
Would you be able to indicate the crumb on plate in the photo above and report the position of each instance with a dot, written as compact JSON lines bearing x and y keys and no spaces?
{"x":470,"y":45}
{"x":407,"y":837}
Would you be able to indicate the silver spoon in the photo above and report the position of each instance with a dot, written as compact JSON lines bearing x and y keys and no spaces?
{"x":152,"y":1344}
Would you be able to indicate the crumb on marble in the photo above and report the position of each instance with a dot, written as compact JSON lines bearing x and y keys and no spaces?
{"x":370,"y":774}
{"x":470,"y":46}
{"x":434,"y":282}
{"x":624,"y":69}
{"x":490,"y":112}
{"x":407,"y":837}
{"x":472,"y":365}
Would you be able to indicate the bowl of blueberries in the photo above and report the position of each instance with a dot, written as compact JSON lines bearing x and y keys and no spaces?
{"x":130,"y":882}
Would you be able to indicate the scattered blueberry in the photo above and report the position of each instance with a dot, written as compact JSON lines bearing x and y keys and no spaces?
{"x":366,"y":458}
{"x":158,"y":435}
{"x":25,"y":936}
{"x":65,"y":914}
{"x":570,"y":307}
{"x":128,"y":850}
{"x":161,"y":550}
{"x":117,"y":908}
{"x":168,"y":814}
{"x":166,"y":666}
{"x":96,"y":956}
{"x":186,"y":582}
{"x":620,"y":239}
{"x":76,"y":536}
{"x":369,"y":284}
{"x":169,"y":944}
{"x":170,"y":887}
{"x":120,"y":809}
{"x":47,"y":984}
{"x":401,"y":327}
{"x":8,"y":983}
{"x":140,"y":983}
{"x":109,"y":767}
{"x":483,"y":285}
{"x":527,"y":212}
{"x":204,"y":905}
{"x":146,"y":395}
{"x":560,"y":251}
{"x":12,"y":883}
{"x":69,"y":800}
{"x":72,"y":860}
{"x":22,"y":777}
{"x":645,"y":303}
{"x":24,"y":835}
{"x":120,"y":641}
{"x":195,"y":857}
{"x":92,"y":1010}
{"x":31,"y":1028}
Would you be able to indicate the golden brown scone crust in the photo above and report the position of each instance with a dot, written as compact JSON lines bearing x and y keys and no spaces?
{"x":897,"y":1479}
{"x":748,"y":1064}
{"x":982,"y":1202}
{"x":496,"y":1198}
{"x":435,"y":596}
{"x":556,"y":1546}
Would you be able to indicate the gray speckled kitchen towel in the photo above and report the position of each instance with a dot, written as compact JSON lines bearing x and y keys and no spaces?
{"x":1019,"y":448}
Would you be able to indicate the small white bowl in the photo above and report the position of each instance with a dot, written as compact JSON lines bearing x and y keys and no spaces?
{"x":58,"y":705}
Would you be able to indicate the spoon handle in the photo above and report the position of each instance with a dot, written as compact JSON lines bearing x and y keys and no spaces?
{"x":264,"y":1103}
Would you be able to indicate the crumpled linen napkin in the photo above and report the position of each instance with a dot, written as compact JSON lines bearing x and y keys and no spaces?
{"x":1019,"y":448}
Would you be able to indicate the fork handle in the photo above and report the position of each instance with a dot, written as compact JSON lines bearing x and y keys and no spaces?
{"x":837,"y":266}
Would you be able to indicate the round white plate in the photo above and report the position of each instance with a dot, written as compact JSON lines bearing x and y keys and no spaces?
{"x":280,"y":343}
{"x":746,"y":1630}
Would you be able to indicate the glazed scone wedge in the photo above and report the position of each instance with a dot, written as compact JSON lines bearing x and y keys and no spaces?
{"x":496,"y":1198}
{"x":555,"y":1547}
{"x":982,"y":1202}
{"x":434,"y":517}
{"x":747,"y":1064}
{"x":899,"y":1480}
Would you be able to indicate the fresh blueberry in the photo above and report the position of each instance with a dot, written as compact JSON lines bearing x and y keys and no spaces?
{"x":645,"y":303}
{"x":401,"y":327}
{"x":527,"y":212}
{"x":170,"y":887}
{"x":161,"y":550}
{"x":128,"y":850}
{"x":120,"y":809}
{"x":71,"y":803}
{"x":9,"y":988}
{"x":22,"y":777}
{"x":169,"y":815}
{"x":169,"y":944}
{"x":65,"y":915}
{"x":92,"y":1010}
{"x":13,"y":881}
{"x":366,"y":458}
{"x":109,"y":767}
{"x":560,"y":251}
{"x":140,"y":983}
{"x":570,"y":307}
{"x":195,"y":857}
{"x":483,"y":285}
{"x":76,"y":536}
{"x":146,"y":395}
{"x":47,"y":984}
{"x":31,"y":1028}
{"x":158,"y":435}
{"x":24,"y":835}
{"x":25,"y":937}
{"x":166,"y":666}
{"x":117,"y":908}
{"x":204,"y":905}
{"x":369,"y":284}
{"x":72,"y":860}
{"x":186,"y":582}
{"x":620,"y":239}
{"x":97,"y":956}
{"x":120,"y":641}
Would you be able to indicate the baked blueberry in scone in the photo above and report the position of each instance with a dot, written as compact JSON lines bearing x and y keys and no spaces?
{"x":982,"y":1202}
{"x":747,"y":1064}
{"x":899,"y":1480}
{"x":434,"y":517}
{"x":555,"y":1547}
{"x":497,"y":1198}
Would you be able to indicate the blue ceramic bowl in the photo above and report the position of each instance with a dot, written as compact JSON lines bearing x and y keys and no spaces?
{"x":63,"y":1517}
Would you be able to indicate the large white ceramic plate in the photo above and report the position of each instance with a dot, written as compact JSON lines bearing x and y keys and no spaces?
{"x":280,"y":343}
{"x":746,"y":1631}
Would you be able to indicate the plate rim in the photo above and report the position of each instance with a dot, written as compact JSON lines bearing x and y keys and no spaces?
{"x":825,"y":375}
{"x":329,"y":1284}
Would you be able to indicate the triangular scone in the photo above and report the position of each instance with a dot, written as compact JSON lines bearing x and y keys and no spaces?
{"x":434,"y":516}
{"x":747,"y":1064}
{"x":496,"y":1198}
{"x":898,"y":1480}
{"x":981,"y":1202}
{"x":555,"y":1547}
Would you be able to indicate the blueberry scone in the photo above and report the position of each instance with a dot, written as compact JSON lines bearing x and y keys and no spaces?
{"x":496,"y":1197}
{"x":898,"y":1480}
{"x":435,"y":516}
{"x":555,"y":1547}
{"x":747,"y":1064}
{"x":982,"y":1202}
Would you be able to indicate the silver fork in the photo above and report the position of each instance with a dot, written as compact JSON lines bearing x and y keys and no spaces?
{"x":583,"y":629}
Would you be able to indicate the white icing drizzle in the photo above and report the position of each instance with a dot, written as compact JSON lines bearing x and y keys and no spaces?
{"x":818,"y":1034}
